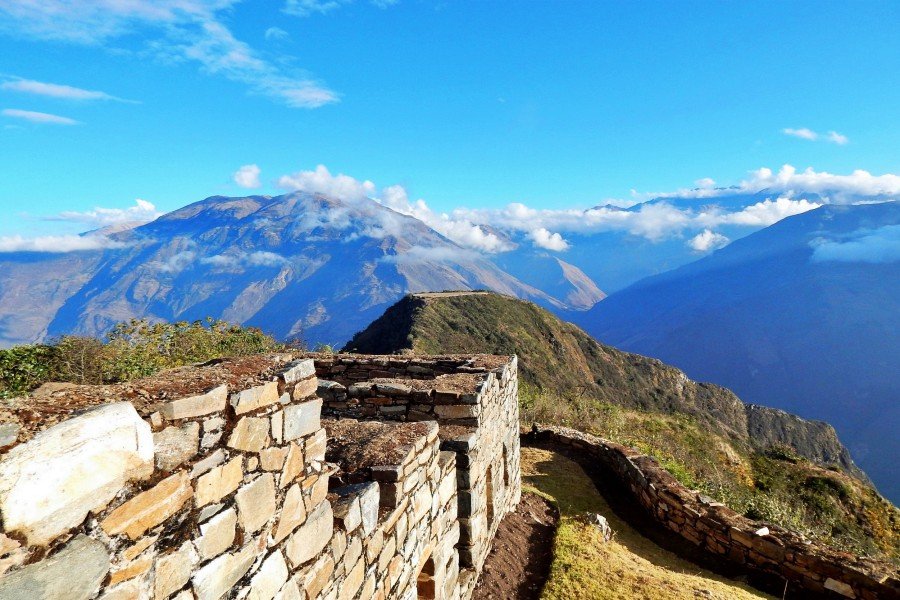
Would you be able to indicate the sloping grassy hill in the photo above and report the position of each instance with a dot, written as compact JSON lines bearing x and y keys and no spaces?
{"x":763,"y":462}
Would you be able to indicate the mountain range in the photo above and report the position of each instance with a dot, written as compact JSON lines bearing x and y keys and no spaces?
{"x":299,"y":266}
{"x":801,"y":315}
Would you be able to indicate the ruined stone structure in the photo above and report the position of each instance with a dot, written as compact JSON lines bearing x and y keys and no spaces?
{"x":810,"y":569}
{"x":225,"y":481}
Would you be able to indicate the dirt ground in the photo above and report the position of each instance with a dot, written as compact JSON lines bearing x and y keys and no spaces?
{"x":520,"y":558}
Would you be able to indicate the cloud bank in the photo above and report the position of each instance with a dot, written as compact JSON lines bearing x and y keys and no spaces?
{"x":880,"y":245}
{"x":55,"y":90}
{"x":808,"y":134}
{"x":141,"y":212}
{"x":784,"y":193}
{"x":56,"y":244}
{"x":37,"y":117}
{"x":171,"y":31}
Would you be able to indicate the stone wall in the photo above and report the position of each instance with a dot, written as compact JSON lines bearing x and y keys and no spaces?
{"x":770,"y":551}
{"x":475,"y":402}
{"x":223,"y":481}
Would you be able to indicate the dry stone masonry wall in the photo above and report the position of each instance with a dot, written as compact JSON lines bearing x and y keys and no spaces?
{"x":808,"y":568}
{"x":225,"y":481}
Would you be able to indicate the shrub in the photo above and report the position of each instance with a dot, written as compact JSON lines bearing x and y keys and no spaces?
{"x":133,"y":349}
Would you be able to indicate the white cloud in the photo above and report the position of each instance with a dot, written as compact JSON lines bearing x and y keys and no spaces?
{"x":176,"y":263}
{"x":837,"y":138}
{"x":543,"y":238}
{"x":321,"y":181}
{"x":761,"y":214}
{"x":247,"y":177}
{"x":173,"y":30}
{"x":495,"y":230}
{"x":55,"y":90}
{"x":803,"y":133}
{"x":276,"y":33}
{"x":141,"y":212}
{"x":708,"y":240}
{"x":258,"y":258}
{"x":880,"y":245}
{"x":306,"y":8}
{"x":56,"y":244}
{"x":425,"y":254}
{"x":808,"y":134}
{"x":265,"y":259}
{"x":37,"y":117}
{"x":788,"y":181}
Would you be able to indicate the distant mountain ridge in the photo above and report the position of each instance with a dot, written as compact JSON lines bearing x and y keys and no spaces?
{"x":298,"y":265}
{"x":801,"y":315}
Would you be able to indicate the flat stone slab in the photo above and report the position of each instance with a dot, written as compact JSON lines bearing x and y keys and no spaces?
{"x":50,"y":483}
{"x":74,"y":573}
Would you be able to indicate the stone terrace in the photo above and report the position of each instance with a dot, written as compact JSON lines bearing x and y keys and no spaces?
{"x":222,"y":481}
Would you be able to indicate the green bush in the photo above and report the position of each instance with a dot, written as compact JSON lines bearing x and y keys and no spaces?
{"x":134,"y":349}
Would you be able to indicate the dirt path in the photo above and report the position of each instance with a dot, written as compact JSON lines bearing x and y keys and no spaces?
{"x":583,"y":565}
{"x":522,"y":552}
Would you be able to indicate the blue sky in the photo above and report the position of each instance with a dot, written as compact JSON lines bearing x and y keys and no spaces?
{"x":475,"y":104}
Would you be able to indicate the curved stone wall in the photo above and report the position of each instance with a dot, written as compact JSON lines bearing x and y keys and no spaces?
{"x":810,"y":568}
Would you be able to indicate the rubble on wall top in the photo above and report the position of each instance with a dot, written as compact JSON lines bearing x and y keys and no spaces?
{"x":359,"y":445}
{"x":55,"y":402}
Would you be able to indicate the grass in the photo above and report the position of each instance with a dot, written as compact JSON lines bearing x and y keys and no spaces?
{"x":627,"y":567}
{"x":775,"y":487}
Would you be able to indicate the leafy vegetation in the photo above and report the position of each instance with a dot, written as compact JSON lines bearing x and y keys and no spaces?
{"x":629,"y":565}
{"x":133,"y":349}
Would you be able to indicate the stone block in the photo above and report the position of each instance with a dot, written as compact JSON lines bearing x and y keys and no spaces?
{"x":254,"y":398}
{"x":840,"y":587}
{"x":302,"y":419}
{"x":346,"y":510}
{"x":293,"y":513}
{"x":256,"y":502}
{"x":9,"y":432}
{"x":73,"y":573}
{"x":305,"y":389}
{"x":278,"y":427}
{"x":290,"y":591}
{"x":251,"y":434}
{"x":50,"y":483}
{"x":293,"y":466}
{"x":456,"y":411}
{"x":217,"y":534}
{"x":130,"y":571}
{"x":202,"y":466}
{"x":269,"y":579}
{"x":212,"y":401}
{"x":353,"y":581}
{"x":311,"y":537}
{"x":272,"y":459}
{"x":217,"y":578}
{"x":173,"y":571}
{"x":316,"y":446}
{"x":219,"y":482}
{"x":173,"y":446}
{"x":297,"y":370}
{"x":314,"y":579}
{"x":149,"y":509}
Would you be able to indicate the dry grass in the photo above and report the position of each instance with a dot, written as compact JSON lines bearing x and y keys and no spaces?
{"x":628,"y":567}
